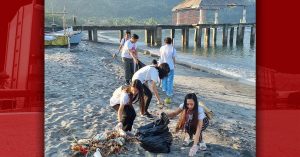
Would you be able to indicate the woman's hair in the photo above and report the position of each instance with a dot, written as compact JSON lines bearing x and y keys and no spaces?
{"x":183,"y":116}
{"x":168,"y":40}
{"x":138,"y":85}
{"x":163,"y":70}
{"x":128,"y":32}
{"x":154,"y":61}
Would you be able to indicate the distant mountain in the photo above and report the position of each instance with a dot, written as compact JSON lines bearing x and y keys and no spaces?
{"x":139,"y":9}
{"x":110,"y":10}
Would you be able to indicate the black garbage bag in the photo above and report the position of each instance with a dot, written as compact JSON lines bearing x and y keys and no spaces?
{"x":155,"y":137}
{"x":139,"y":66}
{"x":157,"y":144}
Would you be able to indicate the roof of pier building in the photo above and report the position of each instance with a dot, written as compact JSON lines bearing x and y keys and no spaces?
{"x":210,"y":4}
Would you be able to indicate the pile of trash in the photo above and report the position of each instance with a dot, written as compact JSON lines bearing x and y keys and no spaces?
{"x":105,"y":144}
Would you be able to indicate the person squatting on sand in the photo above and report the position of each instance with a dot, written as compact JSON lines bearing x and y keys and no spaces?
{"x":123,"y":41}
{"x":150,"y":75}
{"x":122,"y":100}
{"x":130,"y":57}
{"x":193,"y":120}
{"x":167,"y":55}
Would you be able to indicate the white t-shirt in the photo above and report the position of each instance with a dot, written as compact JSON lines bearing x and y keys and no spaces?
{"x":201,"y":113}
{"x":147,"y":73}
{"x":167,"y":52}
{"x":128,"y":46}
{"x":119,"y":97}
{"x":123,"y":41}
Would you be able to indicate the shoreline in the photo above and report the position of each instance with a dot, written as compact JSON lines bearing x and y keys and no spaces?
{"x":191,"y":65}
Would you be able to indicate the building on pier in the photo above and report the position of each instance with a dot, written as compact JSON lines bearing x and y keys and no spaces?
{"x":207,"y":11}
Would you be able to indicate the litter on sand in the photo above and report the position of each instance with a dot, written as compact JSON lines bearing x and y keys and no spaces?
{"x":104,"y":144}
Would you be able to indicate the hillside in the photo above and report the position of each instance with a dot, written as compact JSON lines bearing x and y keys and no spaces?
{"x":118,"y":12}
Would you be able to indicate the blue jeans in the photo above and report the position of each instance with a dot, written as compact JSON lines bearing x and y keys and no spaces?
{"x":167,"y":83}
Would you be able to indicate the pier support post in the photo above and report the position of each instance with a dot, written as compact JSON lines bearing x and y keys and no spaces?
{"x":187,"y":34}
{"x":215,"y":32}
{"x":198,"y":36}
{"x":207,"y":36}
{"x":158,"y":36}
{"x":121,"y":35}
{"x":147,"y":36}
{"x":90,"y":35}
{"x":172,"y":34}
{"x":185,"y":37}
{"x":252,"y":35}
{"x":231,"y":35}
{"x":95,"y":35}
{"x":153,"y":37}
{"x":195,"y":34}
{"x":225,"y":35}
{"x":240,"y":35}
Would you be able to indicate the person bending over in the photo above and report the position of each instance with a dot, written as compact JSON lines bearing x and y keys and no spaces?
{"x":149,"y":76}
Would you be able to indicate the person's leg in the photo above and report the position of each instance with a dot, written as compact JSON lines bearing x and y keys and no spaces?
{"x":128,"y":117}
{"x":164,"y":84}
{"x":148,"y":97}
{"x":132,"y":68}
{"x":204,"y":126}
{"x":170,"y":82}
{"x":127,"y":70}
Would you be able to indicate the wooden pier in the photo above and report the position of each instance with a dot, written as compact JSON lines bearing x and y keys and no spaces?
{"x":153,"y":34}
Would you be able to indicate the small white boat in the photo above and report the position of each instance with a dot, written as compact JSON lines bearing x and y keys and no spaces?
{"x":63,"y":37}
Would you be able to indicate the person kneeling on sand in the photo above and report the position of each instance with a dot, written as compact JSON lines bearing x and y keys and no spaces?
{"x":193,"y":120}
{"x":150,"y":75}
{"x":122,"y":101}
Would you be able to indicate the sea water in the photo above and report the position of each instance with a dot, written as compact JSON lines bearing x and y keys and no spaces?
{"x":236,"y":61}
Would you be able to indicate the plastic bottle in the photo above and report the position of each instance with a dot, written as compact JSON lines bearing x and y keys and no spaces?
{"x":97,"y":153}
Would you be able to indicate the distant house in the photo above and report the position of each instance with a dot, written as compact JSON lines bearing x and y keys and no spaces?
{"x":194,"y":11}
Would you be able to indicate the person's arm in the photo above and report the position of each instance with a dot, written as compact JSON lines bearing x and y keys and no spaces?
{"x":174,"y":113}
{"x":155,"y":92}
{"x":174,"y":61}
{"x":123,"y":101}
{"x":120,"y":113}
{"x":133,"y":55}
{"x":174,"y":56}
{"x":195,"y":147}
{"x":160,"y":59}
{"x":121,"y":44}
{"x":198,"y":132}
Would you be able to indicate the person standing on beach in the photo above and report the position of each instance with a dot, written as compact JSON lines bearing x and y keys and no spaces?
{"x":149,"y":76}
{"x":122,"y":42}
{"x":122,"y":100}
{"x":130,"y":57}
{"x":193,"y":120}
{"x":167,"y":55}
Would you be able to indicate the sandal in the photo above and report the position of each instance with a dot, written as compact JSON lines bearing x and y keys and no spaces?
{"x":202,"y":146}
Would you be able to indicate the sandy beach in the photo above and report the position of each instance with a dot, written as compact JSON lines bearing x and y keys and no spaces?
{"x":79,"y":84}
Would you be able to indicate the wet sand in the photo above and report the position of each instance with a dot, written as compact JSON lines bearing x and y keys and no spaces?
{"x":78,"y":86}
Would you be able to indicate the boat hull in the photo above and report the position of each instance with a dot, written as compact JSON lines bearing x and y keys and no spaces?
{"x":57,"y":41}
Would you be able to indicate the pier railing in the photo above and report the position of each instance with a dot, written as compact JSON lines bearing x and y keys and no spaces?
{"x":153,"y":33}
